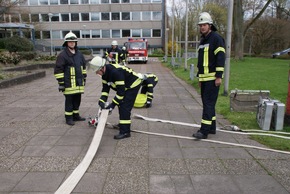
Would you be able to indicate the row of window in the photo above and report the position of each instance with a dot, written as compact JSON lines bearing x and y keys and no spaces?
{"x":77,"y":2}
{"x":92,"y":16}
{"x":124,"y":33}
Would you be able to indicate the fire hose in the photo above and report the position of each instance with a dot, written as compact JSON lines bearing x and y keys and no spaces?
{"x":69,"y":184}
{"x":235,"y":129}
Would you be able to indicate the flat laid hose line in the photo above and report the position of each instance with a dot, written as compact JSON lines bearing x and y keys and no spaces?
{"x":205,"y":140}
{"x":70,"y":183}
{"x":243,"y":132}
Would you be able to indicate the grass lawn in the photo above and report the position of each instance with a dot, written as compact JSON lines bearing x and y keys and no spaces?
{"x":250,"y":74}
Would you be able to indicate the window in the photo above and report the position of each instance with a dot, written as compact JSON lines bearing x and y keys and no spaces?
{"x":44,"y":18}
{"x":104,"y":1}
{"x":86,"y":34}
{"x":95,"y":17}
{"x":64,"y":17}
{"x":64,"y":33}
{"x":115,"y":16}
{"x":156,"y":1}
{"x":25,"y":17}
{"x":157,"y":15}
{"x":146,"y":1}
{"x":125,"y":15}
{"x":37,"y":34}
{"x":74,"y":2}
{"x":46,"y":34}
{"x":64,"y":2}
{"x":96,"y":34}
{"x":77,"y":33}
{"x":55,"y":18}
{"x":116,"y":34}
{"x":146,"y":33}
{"x":53,"y":2}
{"x":156,"y":33}
{"x":125,"y":1}
{"x":146,"y":15}
{"x":75,"y":17}
{"x":105,"y":33}
{"x":135,"y":1}
{"x":34,"y":18}
{"x":95,"y":1}
{"x":136,"y":16}
{"x":115,"y":1}
{"x":126,"y":33}
{"x":33,"y":2}
{"x":136,"y":33}
{"x":56,"y":34}
{"x":105,"y":16}
{"x":43,"y":2}
{"x":85,"y":16}
{"x":84,"y":1}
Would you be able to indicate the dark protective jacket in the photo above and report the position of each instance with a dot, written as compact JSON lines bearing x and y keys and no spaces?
{"x":119,"y":78}
{"x":117,"y":53}
{"x":149,"y":83}
{"x":70,"y":71}
{"x":211,"y":57}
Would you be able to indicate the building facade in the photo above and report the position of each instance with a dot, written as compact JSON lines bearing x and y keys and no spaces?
{"x":95,"y":22}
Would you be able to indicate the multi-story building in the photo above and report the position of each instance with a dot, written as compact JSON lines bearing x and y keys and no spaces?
{"x":95,"y":22}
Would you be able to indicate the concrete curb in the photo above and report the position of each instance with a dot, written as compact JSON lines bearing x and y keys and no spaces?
{"x":22,"y":79}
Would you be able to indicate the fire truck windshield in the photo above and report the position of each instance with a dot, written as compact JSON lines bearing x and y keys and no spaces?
{"x":137,"y":45}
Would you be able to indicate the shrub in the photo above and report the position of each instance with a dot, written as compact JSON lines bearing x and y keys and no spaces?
{"x":27,"y":55}
{"x":16,"y":44}
{"x":10,"y":59}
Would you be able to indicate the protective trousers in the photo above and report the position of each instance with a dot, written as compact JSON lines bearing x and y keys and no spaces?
{"x":72,"y":104}
{"x":125,"y":108}
{"x":209,"y":95}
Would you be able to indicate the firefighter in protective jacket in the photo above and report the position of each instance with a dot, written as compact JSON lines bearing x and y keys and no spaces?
{"x":70,"y":72}
{"x":115,"y":54}
{"x":211,"y":60}
{"x":126,"y":83}
{"x":149,"y":82}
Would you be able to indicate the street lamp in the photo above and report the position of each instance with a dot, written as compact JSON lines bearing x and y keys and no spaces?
{"x":85,"y":35}
{"x":50,"y":16}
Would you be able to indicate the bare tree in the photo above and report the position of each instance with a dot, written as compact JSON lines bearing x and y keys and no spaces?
{"x":6,"y":5}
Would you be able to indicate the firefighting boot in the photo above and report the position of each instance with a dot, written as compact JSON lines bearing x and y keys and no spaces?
{"x":69,"y":120}
{"x":77,"y":117}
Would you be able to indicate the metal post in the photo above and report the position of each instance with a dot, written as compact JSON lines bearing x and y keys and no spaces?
{"x":50,"y":16}
{"x":172,"y":32}
{"x":186,"y":35}
{"x":85,"y":36}
{"x":228,"y":47}
{"x":166,"y":44}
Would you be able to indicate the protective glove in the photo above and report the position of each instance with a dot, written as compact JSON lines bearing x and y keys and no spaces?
{"x":102,"y":105}
{"x":148,"y":104}
{"x":111,"y":107}
{"x":61,"y":88}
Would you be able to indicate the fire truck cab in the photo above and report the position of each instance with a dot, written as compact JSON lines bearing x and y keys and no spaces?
{"x":137,"y":50}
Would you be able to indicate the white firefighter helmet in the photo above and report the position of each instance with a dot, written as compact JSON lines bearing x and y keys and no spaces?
{"x":204,"y":18}
{"x":123,"y":48}
{"x":114,"y":43}
{"x":97,"y":63}
{"x":70,"y":37}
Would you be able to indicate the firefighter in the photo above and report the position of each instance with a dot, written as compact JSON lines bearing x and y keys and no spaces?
{"x":211,"y":60}
{"x":114,"y":54}
{"x":149,"y":82}
{"x":125,"y":54}
{"x":70,"y":72}
{"x":126,"y":83}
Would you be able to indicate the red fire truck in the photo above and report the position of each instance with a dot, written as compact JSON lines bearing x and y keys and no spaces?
{"x":137,"y":50}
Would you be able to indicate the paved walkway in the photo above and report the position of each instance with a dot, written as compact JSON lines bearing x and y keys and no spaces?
{"x":38,"y":150}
